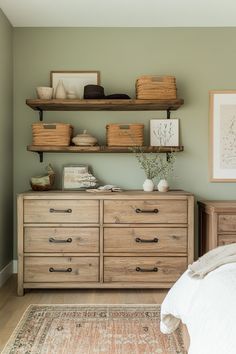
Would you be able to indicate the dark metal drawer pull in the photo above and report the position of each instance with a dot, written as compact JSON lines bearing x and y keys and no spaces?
{"x":68,"y":270}
{"x":53,"y":240}
{"x":138,"y":269}
{"x":155,"y":211}
{"x":52,"y":210}
{"x":140,"y":240}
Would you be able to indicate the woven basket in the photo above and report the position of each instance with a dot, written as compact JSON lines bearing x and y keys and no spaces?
{"x":125,"y":134}
{"x":156,"y":87}
{"x":56,"y":134}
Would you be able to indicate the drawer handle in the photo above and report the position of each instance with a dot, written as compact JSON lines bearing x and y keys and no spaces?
{"x":52,"y":210}
{"x":53,"y":240}
{"x":138,"y":211}
{"x":140,"y":240}
{"x":155,"y":269}
{"x":68,"y":270}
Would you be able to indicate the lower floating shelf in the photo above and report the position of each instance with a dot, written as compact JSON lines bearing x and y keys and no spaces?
{"x":100,"y":149}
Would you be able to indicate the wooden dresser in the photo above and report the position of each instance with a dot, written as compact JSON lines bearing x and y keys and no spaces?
{"x":131,"y":239}
{"x":217,"y":224}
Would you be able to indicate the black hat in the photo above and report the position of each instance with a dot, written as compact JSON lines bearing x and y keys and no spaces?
{"x":97,"y":92}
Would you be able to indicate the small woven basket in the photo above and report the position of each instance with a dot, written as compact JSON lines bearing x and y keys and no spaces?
{"x":56,"y":134}
{"x":125,"y":134}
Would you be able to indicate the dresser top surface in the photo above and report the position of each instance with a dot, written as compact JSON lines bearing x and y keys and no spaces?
{"x":128,"y":194}
{"x":218,"y":205}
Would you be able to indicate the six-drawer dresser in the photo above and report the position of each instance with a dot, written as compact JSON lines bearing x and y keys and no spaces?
{"x":129,"y":239}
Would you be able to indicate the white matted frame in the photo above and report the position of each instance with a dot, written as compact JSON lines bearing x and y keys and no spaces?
{"x":164,"y":132}
{"x":75,"y":80}
{"x":70,"y":176}
{"x":222,"y":128}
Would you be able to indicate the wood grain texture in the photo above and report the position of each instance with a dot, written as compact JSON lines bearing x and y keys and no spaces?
{"x":49,"y":239}
{"x":105,"y":105}
{"x":218,"y":224}
{"x":82,"y":211}
{"x":37,"y":269}
{"x":135,"y":240}
{"x":118,"y":211}
{"x":102,"y":149}
{"x":124,"y":269}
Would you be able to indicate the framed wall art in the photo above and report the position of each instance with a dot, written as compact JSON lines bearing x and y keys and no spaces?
{"x":222,"y":129}
{"x":74,"y":81}
{"x":164,"y":132}
{"x":77,"y":177}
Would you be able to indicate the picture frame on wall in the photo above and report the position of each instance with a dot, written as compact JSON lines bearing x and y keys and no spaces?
{"x":77,"y":177}
{"x":74,"y":81}
{"x":222,"y":128}
{"x":164,"y":132}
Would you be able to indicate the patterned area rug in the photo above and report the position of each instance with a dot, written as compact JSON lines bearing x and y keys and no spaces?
{"x":89,"y":329}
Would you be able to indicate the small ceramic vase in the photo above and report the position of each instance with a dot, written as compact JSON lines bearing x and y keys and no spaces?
{"x":163,"y":186}
{"x":60,"y":91}
{"x":71,"y":95}
{"x":148,"y":185}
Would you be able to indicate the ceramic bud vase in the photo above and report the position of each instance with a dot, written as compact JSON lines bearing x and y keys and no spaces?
{"x":60,"y":91}
{"x":163,"y":185}
{"x":148,"y":185}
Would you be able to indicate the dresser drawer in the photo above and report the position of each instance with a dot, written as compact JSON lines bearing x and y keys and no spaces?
{"x":145,"y":239}
{"x":63,"y":211}
{"x":145,"y":211}
{"x":143,"y":269}
{"x":227,"y":222}
{"x":50,"y":239}
{"x":61,"y":269}
{"x":226,"y":239}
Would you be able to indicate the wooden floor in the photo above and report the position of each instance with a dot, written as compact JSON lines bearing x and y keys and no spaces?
{"x":12,"y":307}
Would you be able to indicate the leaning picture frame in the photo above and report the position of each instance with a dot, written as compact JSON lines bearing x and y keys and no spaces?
{"x":74,"y":81}
{"x":222,"y":130}
{"x":71,"y":176}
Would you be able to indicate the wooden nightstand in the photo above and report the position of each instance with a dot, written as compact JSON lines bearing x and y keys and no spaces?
{"x":217,"y":224}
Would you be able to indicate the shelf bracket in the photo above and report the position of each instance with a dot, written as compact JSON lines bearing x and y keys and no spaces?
{"x":40,"y":114}
{"x":40,"y":156}
{"x":168,"y":113}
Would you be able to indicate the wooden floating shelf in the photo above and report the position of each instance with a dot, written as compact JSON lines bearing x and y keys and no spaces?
{"x":104,"y":105}
{"x":102,"y":149}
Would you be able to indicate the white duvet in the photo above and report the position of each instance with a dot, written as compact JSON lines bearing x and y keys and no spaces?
{"x":207,"y":307}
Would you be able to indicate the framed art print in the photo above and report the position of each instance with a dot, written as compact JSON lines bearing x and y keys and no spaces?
{"x":164,"y":132}
{"x":222,"y":136}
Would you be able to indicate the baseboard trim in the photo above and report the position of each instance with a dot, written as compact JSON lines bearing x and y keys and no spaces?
{"x":15,"y":262}
{"x":6,"y":272}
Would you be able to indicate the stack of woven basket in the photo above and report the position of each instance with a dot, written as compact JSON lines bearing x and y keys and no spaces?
{"x":156,"y":87}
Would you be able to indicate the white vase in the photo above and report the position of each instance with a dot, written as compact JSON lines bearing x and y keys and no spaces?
{"x":163,"y":185}
{"x":148,"y":185}
{"x":60,"y":91}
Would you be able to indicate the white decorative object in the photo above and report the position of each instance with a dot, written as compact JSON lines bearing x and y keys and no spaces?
{"x":74,"y":81}
{"x":71,"y":95}
{"x":44,"y":93}
{"x":148,"y":185}
{"x":60,"y":91}
{"x":163,"y":186}
{"x":164,"y":132}
{"x":223,"y":136}
{"x":84,"y":139}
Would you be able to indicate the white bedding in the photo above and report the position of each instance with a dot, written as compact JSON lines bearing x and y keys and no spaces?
{"x":207,"y":307}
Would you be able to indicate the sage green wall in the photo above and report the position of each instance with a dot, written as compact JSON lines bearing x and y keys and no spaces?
{"x":201,"y":59}
{"x":6,"y":143}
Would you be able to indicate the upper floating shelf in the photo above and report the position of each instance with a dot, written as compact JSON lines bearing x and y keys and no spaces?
{"x":104,"y":105}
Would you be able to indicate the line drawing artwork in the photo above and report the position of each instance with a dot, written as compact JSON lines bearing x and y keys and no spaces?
{"x":164,"y":133}
{"x":228,"y":137}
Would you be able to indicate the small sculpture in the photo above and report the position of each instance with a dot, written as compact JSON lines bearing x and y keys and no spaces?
{"x":45,"y":182}
{"x":60,"y":91}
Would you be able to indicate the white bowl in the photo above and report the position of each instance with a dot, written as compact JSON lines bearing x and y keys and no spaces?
{"x":44,"y":93}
